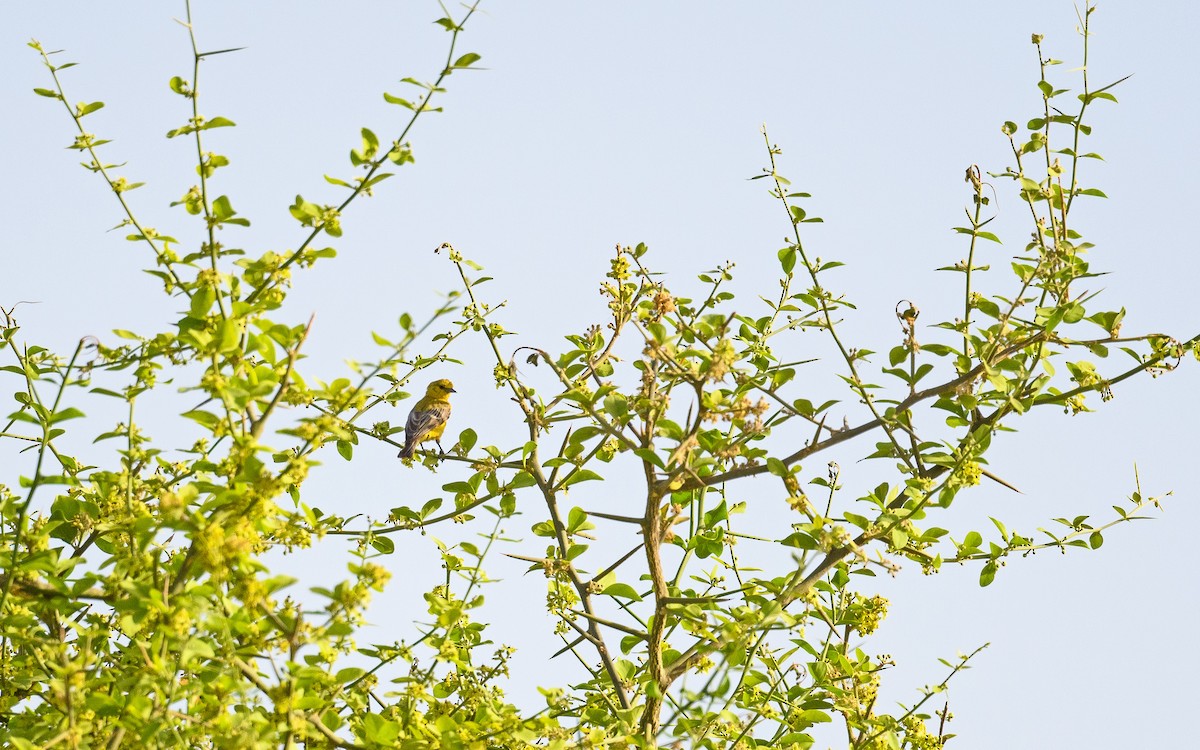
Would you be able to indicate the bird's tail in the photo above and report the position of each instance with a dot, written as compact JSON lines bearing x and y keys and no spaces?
{"x":406,"y":451}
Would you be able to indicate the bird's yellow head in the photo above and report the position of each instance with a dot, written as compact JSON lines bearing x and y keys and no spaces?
{"x":439,"y":389}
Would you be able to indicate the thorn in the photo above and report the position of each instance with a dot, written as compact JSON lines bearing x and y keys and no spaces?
{"x":1000,"y":481}
{"x":820,"y":426}
{"x":568,"y":647}
{"x":220,"y":51}
{"x":534,"y":560}
{"x":611,"y":517}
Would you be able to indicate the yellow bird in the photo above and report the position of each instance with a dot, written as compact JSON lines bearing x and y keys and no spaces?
{"x":427,"y":420}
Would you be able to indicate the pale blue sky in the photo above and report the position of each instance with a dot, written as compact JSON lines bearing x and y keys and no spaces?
{"x":633,"y":122}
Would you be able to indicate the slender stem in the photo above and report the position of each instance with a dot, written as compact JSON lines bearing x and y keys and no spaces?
{"x":821,"y":295}
{"x":86,"y":142}
{"x":549,"y":493}
{"x":35,"y":482}
{"x":365,"y":181}
{"x":853,"y":432}
{"x":968,"y":305}
{"x":206,"y":205}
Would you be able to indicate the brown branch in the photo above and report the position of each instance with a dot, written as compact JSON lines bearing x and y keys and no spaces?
{"x":534,"y":467}
{"x":1061,"y":397}
{"x":329,"y":735}
{"x":843,"y":435}
{"x":45,"y":591}
{"x":652,"y":532}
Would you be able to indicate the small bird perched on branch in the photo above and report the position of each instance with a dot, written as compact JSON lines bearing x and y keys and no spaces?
{"x":427,"y":420}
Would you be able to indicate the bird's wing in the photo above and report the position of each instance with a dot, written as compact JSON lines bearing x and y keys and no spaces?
{"x":421,"y":421}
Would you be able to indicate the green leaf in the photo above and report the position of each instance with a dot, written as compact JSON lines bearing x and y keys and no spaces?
{"x":349,"y":674}
{"x":223,"y":210}
{"x":195,"y":648}
{"x":229,"y":336}
{"x":616,"y":405}
{"x":1109,"y":321}
{"x":62,"y":416}
{"x":205,"y":418}
{"x":716,"y":515}
{"x":800,"y":540}
{"x":622,"y":591}
{"x":1001,"y":527}
{"x":397,"y":100}
{"x":787,"y":259}
{"x":581,"y":475}
{"x":202,"y":302}
{"x":429,"y":507}
{"x":522,"y":479}
{"x":813,"y":716}
{"x":576,"y":520}
{"x":988,"y":574}
{"x":649,"y":456}
{"x":379,"y":730}
{"x":467,"y":439}
{"x":1074,"y":313}
{"x":575,"y":550}
{"x":978,"y":233}
{"x":777,"y":467}
{"x":859,"y":521}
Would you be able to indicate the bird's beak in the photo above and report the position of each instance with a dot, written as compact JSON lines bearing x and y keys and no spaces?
{"x":453,"y":391}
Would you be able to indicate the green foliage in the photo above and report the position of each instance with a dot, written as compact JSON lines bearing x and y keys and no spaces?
{"x":136,"y":606}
